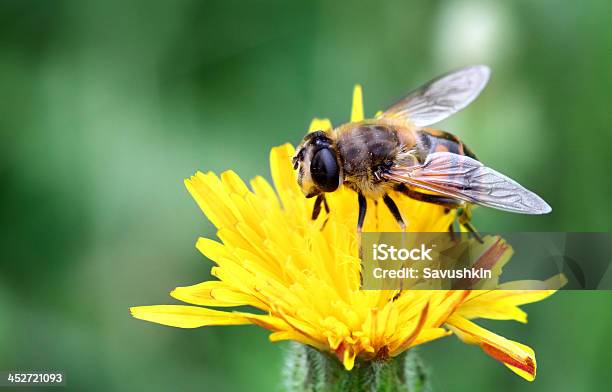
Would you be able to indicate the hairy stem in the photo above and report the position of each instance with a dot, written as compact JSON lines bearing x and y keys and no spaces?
{"x":307,"y":369}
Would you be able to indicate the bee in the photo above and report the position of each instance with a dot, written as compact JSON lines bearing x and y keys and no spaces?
{"x":396,"y":151}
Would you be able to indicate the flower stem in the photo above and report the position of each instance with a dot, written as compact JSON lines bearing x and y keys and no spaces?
{"x":307,"y":369}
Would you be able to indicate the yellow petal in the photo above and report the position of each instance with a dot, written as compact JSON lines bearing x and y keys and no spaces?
{"x":528,"y":375}
{"x":357,"y":108}
{"x":491,"y":310}
{"x":348,"y":359}
{"x":320,"y":124}
{"x":538,"y":290}
{"x":182,"y":316}
{"x":517,"y":357}
{"x":215,"y":293}
{"x":298,"y":337}
{"x":406,"y":342}
{"x":282,"y":171}
{"x":212,"y":249}
{"x":427,"y":335}
{"x":271,"y":323}
{"x":234,"y":183}
{"x":264,"y":190}
{"x":502,"y":303}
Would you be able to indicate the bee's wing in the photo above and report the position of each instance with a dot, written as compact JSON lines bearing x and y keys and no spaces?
{"x":441,"y":97}
{"x":467,"y":179}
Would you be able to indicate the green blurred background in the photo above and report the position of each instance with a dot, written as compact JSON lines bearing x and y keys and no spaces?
{"x":107,"y":106}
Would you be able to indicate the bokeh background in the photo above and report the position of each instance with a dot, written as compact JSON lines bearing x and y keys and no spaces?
{"x":106,"y":106}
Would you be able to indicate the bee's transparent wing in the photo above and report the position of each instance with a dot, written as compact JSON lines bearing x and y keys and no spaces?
{"x":441,"y":97}
{"x":467,"y":179}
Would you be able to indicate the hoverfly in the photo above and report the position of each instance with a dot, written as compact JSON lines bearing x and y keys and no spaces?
{"x":396,"y":151}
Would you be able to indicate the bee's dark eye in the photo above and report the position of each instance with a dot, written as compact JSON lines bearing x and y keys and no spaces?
{"x":324,"y":170}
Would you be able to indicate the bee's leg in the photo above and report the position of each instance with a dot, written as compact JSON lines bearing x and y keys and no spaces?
{"x":400,"y":221}
{"x":451,"y":231}
{"x":447,"y":202}
{"x":465,"y":216}
{"x":316,"y":208}
{"x":451,"y":226}
{"x":363,"y":205}
{"x":394,"y":211}
{"x":444,"y":201}
{"x":326,"y":206}
{"x":473,"y":231}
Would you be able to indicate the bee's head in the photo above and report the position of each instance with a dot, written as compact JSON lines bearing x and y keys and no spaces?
{"x":317,"y":163}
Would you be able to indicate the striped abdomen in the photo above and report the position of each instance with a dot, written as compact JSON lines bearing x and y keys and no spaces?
{"x":433,"y":140}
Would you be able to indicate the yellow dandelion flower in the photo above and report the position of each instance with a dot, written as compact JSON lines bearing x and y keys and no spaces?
{"x":304,"y":279}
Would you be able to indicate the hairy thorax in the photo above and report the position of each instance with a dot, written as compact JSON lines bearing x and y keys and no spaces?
{"x":366,"y":148}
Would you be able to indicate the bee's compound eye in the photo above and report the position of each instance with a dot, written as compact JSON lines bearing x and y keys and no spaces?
{"x":324,"y":170}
